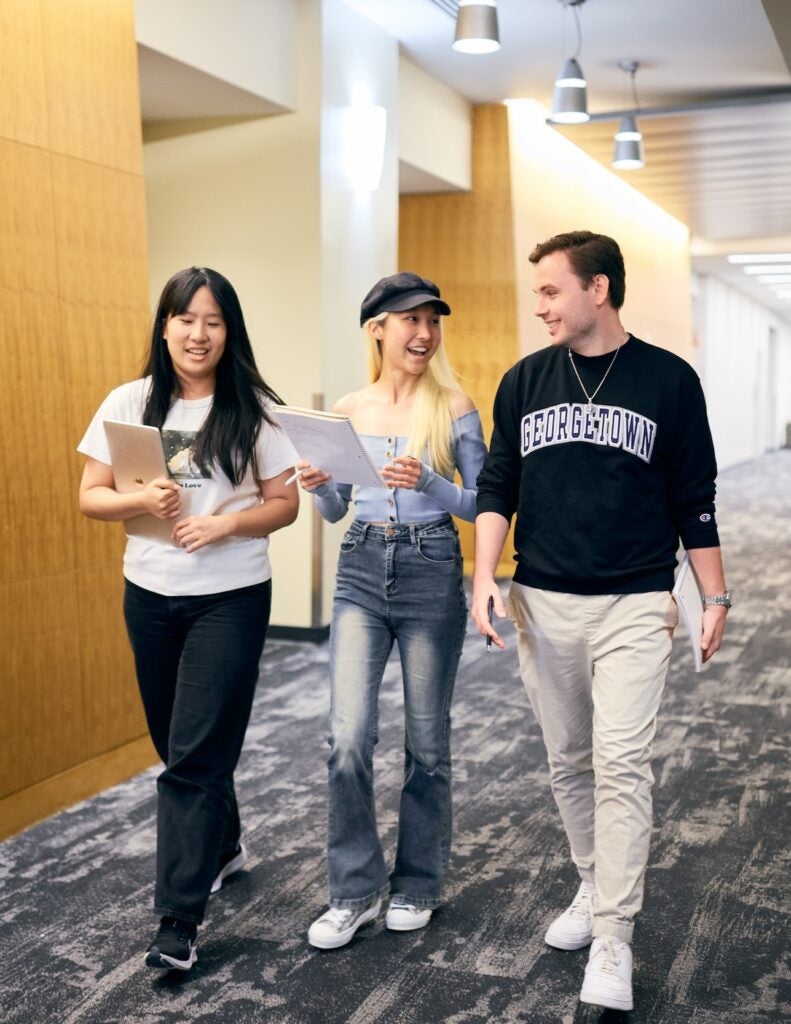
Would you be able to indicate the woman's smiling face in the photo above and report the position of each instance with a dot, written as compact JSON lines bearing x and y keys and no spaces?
{"x":410,"y":338}
{"x":196,"y":338}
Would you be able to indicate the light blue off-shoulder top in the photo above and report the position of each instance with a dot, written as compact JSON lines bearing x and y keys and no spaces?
{"x":434,"y":496}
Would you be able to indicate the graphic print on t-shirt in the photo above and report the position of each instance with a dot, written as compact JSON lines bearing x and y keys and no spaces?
{"x":178,"y":445}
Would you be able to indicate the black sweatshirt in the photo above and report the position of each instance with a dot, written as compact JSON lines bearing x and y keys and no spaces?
{"x":601,"y":501}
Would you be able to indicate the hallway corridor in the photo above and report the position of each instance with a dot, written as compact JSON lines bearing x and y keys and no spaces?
{"x":711,"y":946}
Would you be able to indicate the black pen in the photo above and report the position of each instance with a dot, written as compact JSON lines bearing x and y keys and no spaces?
{"x":490,"y":609}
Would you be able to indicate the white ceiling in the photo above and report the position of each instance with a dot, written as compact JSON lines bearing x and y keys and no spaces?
{"x":718,"y":160}
{"x":714,"y":89}
{"x":690,"y":50}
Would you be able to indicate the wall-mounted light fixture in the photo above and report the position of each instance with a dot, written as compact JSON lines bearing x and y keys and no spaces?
{"x":363,"y":138}
{"x":629,"y":139}
{"x":476,"y":27}
{"x":570,"y":97}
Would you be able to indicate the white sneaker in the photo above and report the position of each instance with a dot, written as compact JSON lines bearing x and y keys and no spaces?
{"x":572,"y":929}
{"x":403,"y":916}
{"x":608,"y":976}
{"x":338,"y":925}
{"x":236,"y":863}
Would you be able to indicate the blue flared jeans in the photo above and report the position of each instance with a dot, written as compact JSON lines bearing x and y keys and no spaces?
{"x":197,"y":664}
{"x":395,"y":584}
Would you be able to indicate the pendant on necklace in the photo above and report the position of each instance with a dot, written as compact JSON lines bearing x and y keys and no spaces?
{"x":590,"y":411}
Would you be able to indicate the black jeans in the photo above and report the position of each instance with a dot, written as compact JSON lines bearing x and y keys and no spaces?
{"x":197,"y":664}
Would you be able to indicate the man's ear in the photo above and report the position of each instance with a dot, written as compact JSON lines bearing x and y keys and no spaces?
{"x":601,"y":288}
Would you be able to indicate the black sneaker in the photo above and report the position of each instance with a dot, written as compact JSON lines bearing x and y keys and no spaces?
{"x":175,"y":945}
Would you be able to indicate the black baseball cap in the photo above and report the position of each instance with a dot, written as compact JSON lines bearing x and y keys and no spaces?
{"x":398,"y":292}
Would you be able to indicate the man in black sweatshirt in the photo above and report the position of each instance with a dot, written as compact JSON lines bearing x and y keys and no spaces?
{"x":602,"y":448}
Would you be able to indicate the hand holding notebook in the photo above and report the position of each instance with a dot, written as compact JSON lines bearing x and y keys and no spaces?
{"x":690,"y":607}
{"x":328,"y":441}
{"x":137,"y":458}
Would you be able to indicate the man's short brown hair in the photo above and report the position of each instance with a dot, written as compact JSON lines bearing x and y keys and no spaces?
{"x":589,"y":254}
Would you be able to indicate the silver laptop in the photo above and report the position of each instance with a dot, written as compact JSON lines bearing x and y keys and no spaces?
{"x":137,"y":458}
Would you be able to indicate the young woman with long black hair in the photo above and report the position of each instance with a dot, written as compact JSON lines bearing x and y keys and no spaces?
{"x":197,"y":602}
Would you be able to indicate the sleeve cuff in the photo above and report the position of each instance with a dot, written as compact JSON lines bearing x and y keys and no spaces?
{"x":488,"y":503}
{"x":426,"y":476}
{"x":708,"y":538}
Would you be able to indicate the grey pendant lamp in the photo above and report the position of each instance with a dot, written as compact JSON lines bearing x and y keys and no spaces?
{"x":570,"y":97}
{"x":628,"y":154}
{"x":477,"y":30}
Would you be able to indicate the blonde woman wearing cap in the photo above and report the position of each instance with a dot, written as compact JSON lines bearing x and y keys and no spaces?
{"x":399,"y":581}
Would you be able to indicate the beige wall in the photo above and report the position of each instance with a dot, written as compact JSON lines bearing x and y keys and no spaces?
{"x":435,"y":130}
{"x":557,"y":187}
{"x":245,"y":200}
{"x":529,"y":183}
{"x":248,"y":43}
{"x":73,"y":291}
{"x":267,"y":203}
{"x":465,"y":242}
{"x":359,"y":229}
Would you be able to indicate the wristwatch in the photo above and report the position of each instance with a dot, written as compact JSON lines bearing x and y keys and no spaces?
{"x":723,"y":599}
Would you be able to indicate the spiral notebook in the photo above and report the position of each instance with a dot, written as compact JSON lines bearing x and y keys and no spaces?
{"x":328,"y":441}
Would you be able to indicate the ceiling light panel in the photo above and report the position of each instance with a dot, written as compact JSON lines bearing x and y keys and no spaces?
{"x":760,"y":257}
{"x":780,"y":268}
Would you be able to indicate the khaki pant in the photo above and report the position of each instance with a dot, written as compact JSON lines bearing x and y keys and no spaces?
{"x":594,"y":669}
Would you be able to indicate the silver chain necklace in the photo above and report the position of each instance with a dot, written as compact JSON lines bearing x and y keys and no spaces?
{"x":589,"y":408}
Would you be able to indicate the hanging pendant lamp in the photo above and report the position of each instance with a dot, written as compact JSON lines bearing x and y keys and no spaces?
{"x":570,"y":96}
{"x":476,"y":27}
{"x":628,"y":154}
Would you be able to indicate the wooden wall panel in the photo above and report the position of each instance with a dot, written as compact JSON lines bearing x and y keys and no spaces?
{"x":111,"y":706}
{"x":23,"y":112}
{"x":102,"y":347}
{"x":93,"y":99}
{"x":465,"y":242}
{"x":99,"y":237}
{"x":42,"y":728}
{"x":26,"y":219}
{"x":29,"y":805}
{"x":36,"y":460}
{"x":74,"y":294}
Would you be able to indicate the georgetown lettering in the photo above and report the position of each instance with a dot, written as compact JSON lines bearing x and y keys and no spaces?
{"x":570,"y":421}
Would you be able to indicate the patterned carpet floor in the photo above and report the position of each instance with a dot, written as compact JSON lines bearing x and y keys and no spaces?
{"x":711,"y":946}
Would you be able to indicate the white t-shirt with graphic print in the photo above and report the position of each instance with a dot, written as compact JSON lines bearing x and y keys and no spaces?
{"x":228,"y":564}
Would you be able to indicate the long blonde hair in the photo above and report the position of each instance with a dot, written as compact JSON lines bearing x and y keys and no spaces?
{"x":432,"y":416}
